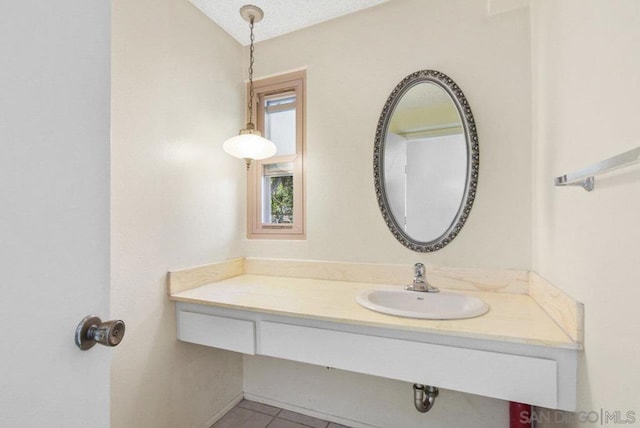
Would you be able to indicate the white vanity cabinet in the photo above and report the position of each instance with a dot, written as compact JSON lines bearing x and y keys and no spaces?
{"x":198,"y":325}
{"x":528,"y":373}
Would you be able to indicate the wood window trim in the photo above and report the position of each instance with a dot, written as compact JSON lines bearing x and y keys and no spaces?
{"x":295,"y":81}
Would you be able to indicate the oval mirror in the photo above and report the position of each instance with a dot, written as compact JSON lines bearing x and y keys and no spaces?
{"x":426,"y":161}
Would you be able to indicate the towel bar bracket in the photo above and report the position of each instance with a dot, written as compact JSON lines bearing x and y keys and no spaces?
{"x":587,"y":184}
{"x":585,"y":177}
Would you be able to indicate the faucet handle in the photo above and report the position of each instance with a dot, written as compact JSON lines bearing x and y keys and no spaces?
{"x":419,"y":272}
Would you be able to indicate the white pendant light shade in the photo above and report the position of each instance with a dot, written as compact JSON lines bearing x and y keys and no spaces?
{"x":249,"y":146}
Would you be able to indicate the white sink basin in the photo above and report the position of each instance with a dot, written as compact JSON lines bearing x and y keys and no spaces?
{"x":413,"y":304}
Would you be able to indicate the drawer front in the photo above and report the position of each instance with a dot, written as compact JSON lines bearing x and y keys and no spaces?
{"x":504,"y":376}
{"x":218,"y":332}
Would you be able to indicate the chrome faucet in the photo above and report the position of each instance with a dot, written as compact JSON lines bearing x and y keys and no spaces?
{"x":420,"y":281}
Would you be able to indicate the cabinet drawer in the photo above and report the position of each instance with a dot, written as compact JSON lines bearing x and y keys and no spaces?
{"x":504,"y":376}
{"x":218,"y":332}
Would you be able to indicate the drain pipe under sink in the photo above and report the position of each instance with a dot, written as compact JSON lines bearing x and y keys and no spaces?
{"x":424,"y":396}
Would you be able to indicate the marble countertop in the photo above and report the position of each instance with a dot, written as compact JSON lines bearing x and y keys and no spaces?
{"x":514,"y":318}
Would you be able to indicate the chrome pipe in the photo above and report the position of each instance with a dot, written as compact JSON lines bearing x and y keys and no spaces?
{"x":424,"y":397}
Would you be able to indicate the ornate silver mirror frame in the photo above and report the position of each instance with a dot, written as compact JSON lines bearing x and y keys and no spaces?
{"x":473,"y":159}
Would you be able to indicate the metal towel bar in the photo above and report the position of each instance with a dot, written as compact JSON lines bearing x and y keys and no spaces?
{"x":586,"y":176}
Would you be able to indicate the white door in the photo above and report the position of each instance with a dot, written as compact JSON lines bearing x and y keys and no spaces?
{"x":54,"y":210}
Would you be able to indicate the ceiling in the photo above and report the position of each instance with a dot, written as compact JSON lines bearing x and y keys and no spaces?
{"x":280,"y":16}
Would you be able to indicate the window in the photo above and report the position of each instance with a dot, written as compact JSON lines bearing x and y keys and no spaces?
{"x":276,"y":185}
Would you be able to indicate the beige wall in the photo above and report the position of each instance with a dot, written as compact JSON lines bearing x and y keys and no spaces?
{"x":353,"y":64}
{"x":177,"y":200}
{"x":587,"y":86}
{"x":364,"y":401}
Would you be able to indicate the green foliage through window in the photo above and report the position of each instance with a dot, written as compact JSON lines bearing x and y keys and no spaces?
{"x":282,"y":199}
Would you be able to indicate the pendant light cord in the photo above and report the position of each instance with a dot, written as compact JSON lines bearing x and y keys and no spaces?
{"x":251,"y":73}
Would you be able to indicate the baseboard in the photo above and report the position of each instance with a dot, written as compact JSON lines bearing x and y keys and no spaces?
{"x":215,"y":418}
{"x":308,"y":412}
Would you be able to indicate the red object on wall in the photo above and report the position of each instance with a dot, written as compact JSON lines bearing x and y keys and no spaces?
{"x":519,"y":415}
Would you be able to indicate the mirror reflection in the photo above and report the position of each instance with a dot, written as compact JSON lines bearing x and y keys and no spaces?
{"x":426,"y":161}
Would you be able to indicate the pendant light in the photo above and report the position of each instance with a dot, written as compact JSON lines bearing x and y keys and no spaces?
{"x":250,"y":144}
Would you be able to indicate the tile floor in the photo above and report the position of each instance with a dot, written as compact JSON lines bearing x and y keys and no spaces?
{"x":249,"y":414}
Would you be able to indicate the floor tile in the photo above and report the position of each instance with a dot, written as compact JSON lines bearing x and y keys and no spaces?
{"x":259,"y":407}
{"x":249,"y":414}
{"x":308,"y":421}
{"x":243,"y":418}
{"x":283,"y":423}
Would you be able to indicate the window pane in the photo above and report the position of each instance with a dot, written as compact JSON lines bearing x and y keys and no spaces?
{"x":276,"y":208}
{"x":280,"y":124}
{"x":277,"y":193}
